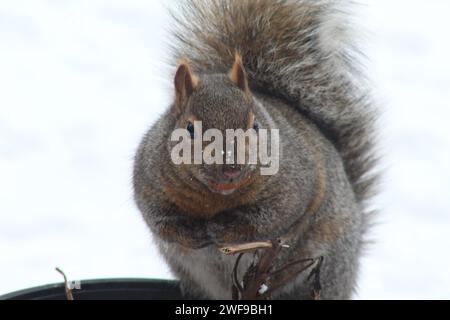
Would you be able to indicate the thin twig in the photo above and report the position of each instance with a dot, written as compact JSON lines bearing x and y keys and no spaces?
{"x":237,"y":288}
{"x":246,"y":247}
{"x":292,"y":264}
{"x":286,"y":279}
{"x":317,"y":287}
{"x":257,"y":275}
{"x":69,"y":294}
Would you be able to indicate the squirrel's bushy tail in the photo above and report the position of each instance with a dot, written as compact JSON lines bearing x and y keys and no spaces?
{"x":297,"y":50}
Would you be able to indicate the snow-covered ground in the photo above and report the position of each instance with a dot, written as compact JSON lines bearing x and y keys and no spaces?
{"x":81,"y":81}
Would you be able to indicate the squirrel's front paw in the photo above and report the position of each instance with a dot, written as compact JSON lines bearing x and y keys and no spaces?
{"x":223,"y":234}
{"x":196,"y":242}
{"x":192,"y":238}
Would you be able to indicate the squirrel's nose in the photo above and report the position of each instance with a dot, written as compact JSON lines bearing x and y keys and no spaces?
{"x":231,"y":173}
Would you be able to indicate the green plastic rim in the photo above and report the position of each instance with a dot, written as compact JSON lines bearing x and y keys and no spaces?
{"x":104,"y":289}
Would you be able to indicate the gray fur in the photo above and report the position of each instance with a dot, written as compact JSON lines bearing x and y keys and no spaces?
{"x":304,"y":81}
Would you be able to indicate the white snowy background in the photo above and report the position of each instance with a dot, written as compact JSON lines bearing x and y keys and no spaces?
{"x":80,"y":82}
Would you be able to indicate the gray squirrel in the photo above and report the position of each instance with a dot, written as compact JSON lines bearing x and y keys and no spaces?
{"x":273,"y":64}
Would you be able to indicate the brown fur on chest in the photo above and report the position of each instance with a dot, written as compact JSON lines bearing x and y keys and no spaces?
{"x":197,"y":201}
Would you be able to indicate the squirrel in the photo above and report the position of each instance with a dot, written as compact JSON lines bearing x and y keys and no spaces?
{"x":263,"y":64}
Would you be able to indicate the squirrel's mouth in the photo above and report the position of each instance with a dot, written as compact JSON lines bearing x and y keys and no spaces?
{"x":227,"y":188}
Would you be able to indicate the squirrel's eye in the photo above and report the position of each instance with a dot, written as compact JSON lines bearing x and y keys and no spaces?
{"x":256,"y":126}
{"x":190,"y":128}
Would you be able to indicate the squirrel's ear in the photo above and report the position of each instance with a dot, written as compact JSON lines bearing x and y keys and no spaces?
{"x":238,"y":75}
{"x":185,"y":82}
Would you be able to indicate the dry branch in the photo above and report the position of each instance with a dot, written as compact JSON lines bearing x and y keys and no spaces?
{"x":69,"y":294}
{"x":254,"y":285}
